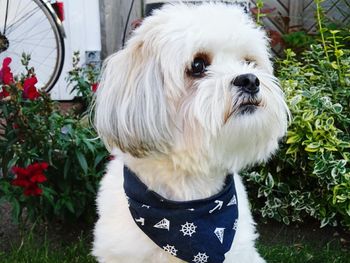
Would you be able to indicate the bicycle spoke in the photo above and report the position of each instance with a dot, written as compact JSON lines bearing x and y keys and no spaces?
{"x":7,"y":9}
{"x":40,"y":64}
{"x":24,"y":18}
{"x":36,"y":34}
{"x":17,"y":8}
{"x":33,"y":47}
{"x":23,"y":39}
{"x":22,"y":10}
{"x":46,"y":57}
{"x":38,"y":42}
{"x":32,"y":60}
{"x":33,"y":27}
{"x":31,"y":44}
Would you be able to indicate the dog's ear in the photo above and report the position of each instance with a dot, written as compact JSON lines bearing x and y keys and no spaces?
{"x":131,"y":107}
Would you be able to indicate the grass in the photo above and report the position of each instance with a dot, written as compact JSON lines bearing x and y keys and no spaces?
{"x":302,"y":253}
{"x":32,"y":251}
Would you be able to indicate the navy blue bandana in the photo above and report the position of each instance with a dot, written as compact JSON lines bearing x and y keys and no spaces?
{"x":199,"y":231}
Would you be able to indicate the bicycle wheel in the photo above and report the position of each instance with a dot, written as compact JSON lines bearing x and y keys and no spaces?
{"x":29,"y":26}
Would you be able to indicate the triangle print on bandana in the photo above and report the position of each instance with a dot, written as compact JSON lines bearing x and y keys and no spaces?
{"x":163,"y":224}
{"x":233,"y":201}
{"x":219,"y":232}
{"x":199,"y":231}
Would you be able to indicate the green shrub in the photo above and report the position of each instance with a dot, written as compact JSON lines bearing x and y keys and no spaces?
{"x":310,"y":176}
{"x":34,"y":133}
{"x":83,"y":80}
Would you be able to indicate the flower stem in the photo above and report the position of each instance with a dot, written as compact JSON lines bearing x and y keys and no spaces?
{"x":319,"y":21}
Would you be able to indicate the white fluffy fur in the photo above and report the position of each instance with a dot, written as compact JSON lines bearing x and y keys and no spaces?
{"x":182,"y":135}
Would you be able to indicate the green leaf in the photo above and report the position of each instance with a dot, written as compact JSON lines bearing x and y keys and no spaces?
{"x":292,"y":149}
{"x":12,"y":162}
{"x":339,"y":53}
{"x":330,"y":121}
{"x":286,"y":220}
{"x":82,"y":161}
{"x":269,"y":181}
{"x":90,"y":188}
{"x":66,"y":168}
{"x":98,"y":159}
{"x":307,"y":116}
{"x":313,"y":147}
{"x":89,"y":145}
{"x":293,"y":139}
{"x":338,"y":108}
{"x":69,"y":206}
{"x":330,"y":148}
{"x":334,"y":65}
{"x":16,"y":209}
{"x":334,"y":32}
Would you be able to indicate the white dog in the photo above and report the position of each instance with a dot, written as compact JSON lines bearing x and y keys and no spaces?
{"x":188,"y":103}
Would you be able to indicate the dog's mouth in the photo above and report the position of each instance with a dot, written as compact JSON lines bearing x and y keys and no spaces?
{"x":249,"y":106}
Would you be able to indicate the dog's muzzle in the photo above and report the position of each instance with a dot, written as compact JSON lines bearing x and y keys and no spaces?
{"x":249,"y":87}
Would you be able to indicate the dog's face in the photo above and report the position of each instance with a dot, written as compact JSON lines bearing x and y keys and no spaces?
{"x":195,"y":81}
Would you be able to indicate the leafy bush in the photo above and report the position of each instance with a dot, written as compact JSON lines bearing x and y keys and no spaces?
{"x":84,"y":80}
{"x":310,"y":176}
{"x":51,"y":162}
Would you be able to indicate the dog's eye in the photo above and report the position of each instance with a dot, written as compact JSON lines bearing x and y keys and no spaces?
{"x":198,"y":67}
{"x":249,"y":61}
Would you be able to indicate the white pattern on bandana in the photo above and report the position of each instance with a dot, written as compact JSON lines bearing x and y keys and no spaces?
{"x":170,"y":249}
{"x":188,"y":229}
{"x":200,"y":258}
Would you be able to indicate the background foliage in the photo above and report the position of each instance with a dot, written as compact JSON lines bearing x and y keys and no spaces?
{"x":36,"y":130}
{"x":310,"y":176}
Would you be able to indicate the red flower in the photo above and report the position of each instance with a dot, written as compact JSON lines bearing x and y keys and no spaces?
{"x":6,"y":76}
{"x":4,"y":93}
{"x":33,"y":190}
{"x":59,"y":9}
{"x":30,"y":177}
{"x":94,"y":87}
{"x":29,"y":89}
{"x":111,"y":158}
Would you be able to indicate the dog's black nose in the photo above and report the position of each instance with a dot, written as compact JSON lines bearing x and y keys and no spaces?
{"x":248,"y":82}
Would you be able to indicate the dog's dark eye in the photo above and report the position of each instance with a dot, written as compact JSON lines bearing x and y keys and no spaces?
{"x":198,"y":67}
{"x":249,"y":61}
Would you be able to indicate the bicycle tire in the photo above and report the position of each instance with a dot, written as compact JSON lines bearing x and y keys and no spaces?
{"x":52,"y":17}
{"x":33,"y":28}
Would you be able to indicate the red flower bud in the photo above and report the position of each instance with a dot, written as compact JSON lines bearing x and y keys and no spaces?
{"x":4,"y":93}
{"x":6,"y":77}
{"x":29,"y":89}
{"x":94,"y":87}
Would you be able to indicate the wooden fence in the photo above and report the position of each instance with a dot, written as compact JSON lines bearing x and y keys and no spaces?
{"x":286,"y":16}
